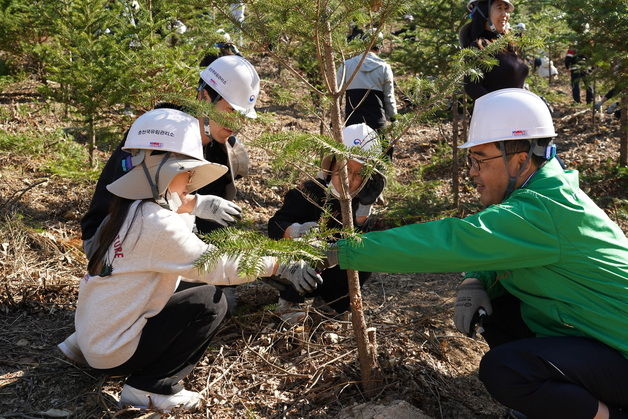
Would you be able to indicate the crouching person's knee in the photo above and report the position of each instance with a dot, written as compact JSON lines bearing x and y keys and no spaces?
{"x":497,"y":375}
{"x":209,"y":303}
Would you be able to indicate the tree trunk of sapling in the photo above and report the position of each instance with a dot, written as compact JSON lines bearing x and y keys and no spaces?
{"x":455,"y":175}
{"x":365,"y":338}
{"x":623,"y":132}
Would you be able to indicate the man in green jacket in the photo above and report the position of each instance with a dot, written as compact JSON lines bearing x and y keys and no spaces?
{"x":547,"y":270}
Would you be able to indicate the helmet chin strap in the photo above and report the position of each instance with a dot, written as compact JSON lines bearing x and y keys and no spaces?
{"x":160,"y":200}
{"x":512,"y":180}
{"x":214,"y":101}
{"x":488,"y":18}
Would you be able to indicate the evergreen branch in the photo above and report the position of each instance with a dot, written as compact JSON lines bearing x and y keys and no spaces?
{"x":249,"y":247}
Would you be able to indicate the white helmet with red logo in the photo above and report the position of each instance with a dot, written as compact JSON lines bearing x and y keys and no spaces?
{"x":509,"y":114}
{"x":166,"y":129}
{"x":236,"y":81}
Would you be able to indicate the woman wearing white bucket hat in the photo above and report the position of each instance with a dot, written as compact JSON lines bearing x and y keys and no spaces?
{"x":131,"y":318}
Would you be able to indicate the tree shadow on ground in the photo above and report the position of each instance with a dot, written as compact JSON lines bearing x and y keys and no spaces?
{"x":34,"y":376}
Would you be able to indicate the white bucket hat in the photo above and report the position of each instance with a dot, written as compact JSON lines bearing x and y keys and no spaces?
{"x":161,"y":169}
{"x":236,"y":81}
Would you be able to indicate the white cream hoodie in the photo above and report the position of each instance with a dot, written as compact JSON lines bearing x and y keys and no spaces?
{"x":158,"y":250}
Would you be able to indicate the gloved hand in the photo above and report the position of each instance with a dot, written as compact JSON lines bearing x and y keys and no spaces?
{"x":303,"y":277}
{"x":297,"y":230}
{"x":471,"y":296}
{"x":217,"y":209}
{"x":331,"y":258}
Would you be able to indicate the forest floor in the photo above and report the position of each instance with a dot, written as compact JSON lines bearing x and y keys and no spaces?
{"x":257,"y":366}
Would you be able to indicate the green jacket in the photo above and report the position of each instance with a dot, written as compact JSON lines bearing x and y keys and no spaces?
{"x":548,"y":244}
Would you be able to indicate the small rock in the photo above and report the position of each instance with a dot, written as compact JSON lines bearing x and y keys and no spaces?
{"x":22,"y":342}
{"x":331,"y":338}
{"x":398,"y":409}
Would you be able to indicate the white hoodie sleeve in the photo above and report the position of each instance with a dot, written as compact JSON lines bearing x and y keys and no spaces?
{"x":389,"y":93}
{"x":340,"y":76}
{"x":177,"y":248}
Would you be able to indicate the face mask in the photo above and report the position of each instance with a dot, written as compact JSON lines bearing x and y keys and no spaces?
{"x":174,"y":202}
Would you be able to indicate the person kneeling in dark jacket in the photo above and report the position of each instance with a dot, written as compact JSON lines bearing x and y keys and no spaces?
{"x":304,"y":207}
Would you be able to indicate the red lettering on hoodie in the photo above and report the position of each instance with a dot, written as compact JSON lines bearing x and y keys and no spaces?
{"x":117,"y":248}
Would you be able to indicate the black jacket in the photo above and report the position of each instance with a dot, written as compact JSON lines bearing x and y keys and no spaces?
{"x":297,"y":208}
{"x":101,"y":200}
{"x":511,"y":71}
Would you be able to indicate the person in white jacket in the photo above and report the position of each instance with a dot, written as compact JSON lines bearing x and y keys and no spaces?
{"x":370,"y":95}
{"x":132,"y":318}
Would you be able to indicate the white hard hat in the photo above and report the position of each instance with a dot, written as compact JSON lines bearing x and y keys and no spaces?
{"x":509,"y":114}
{"x":236,"y":81}
{"x":370,"y":33}
{"x":472,"y":3}
{"x":362,"y":136}
{"x":224,"y":35}
{"x":166,"y":130}
{"x":148,"y":174}
{"x":356,"y":135}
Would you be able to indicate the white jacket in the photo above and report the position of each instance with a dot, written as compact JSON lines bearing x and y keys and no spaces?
{"x":157,"y":250}
{"x":374,"y":74}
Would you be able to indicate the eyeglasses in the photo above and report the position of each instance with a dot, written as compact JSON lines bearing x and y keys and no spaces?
{"x":474,"y":164}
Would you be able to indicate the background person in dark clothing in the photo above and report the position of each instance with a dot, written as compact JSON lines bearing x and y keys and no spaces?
{"x":576,"y":64}
{"x":489,"y":21}
{"x":302,"y":210}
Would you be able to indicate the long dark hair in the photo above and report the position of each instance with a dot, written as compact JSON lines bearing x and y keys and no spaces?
{"x":475,"y":34}
{"x":118,"y":211}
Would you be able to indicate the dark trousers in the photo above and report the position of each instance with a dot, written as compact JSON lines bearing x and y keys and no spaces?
{"x":549,"y":377}
{"x":576,"y":77}
{"x":334,"y":290}
{"x":174,"y":340}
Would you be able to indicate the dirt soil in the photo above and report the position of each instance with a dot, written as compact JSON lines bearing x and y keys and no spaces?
{"x":256,"y":366}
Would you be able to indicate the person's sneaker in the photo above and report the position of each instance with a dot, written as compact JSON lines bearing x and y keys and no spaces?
{"x":69,"y":347}
{"x":131,"y":396}
{"x":284,"y":306}
{"x":612,"y":108}
{"x":293,"y":318}
{"x":290,"y":312}
{"x":515,"y":414}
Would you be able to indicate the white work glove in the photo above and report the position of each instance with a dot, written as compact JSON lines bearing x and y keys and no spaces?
{"x":303,"y":277}
{"x":217,"y":209}
{"x":470,"y":298}
{"x":297,"y":230}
